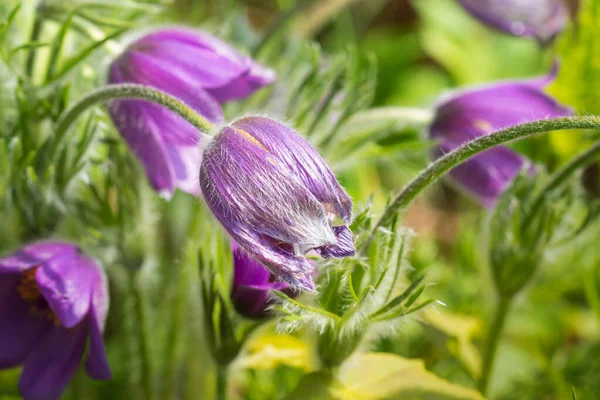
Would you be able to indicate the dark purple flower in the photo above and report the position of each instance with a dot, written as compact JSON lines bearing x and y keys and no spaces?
{"x":53,"y":300}
{"x":195,"y":67}
{"x":540,"y":19}
{"x":276,"y":197}
{"x":468,"y":114}
{"x":252,"y":283}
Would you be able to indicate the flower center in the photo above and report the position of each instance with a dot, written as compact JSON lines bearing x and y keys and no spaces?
{"x":29,"y":291}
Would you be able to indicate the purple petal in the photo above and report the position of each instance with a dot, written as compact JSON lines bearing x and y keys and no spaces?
{"x":141,"y":134}
{"x":247,"y":271}
{"x":19,"y":329}
{"x":97,"y":364}
{"x":250,"y":301}
{"x":186,"y":165}
{"x":165,"y":143}
{"x":141,"y":68}
{"x":250,"y":81}
{"x":33,"y":255}
{"x":344,"y":246}
{"x":51,"y":365}
{"x":283,"y":263}
{"x":66,"y":283}
{"x":301,"y":158}
{"x":488,"y":174}
{"x":200,"y":59}
{"x":541,"y":19}
{"x":472,"y":113}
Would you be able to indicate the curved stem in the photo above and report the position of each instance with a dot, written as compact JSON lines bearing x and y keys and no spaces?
{"x":491,"y":344}
{"x":469,"y":149}
{"x":129,"y":91}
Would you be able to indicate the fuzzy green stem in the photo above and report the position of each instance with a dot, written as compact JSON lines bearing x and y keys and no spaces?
{"x":129,"y":91}
{"x":491,"y":344}
{"x":450,"y":160}
{"x":222,"y":376}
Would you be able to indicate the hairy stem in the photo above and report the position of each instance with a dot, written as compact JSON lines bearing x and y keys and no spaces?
{"x":129,"y":91}
{"x":469,"y":149}
{"x":491,"y":344}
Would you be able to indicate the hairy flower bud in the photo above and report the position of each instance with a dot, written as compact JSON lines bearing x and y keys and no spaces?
{"x":195,"y":67}
{"x":539,"y":19}
{"x":276,"y":197}
{"x":466,"y":115}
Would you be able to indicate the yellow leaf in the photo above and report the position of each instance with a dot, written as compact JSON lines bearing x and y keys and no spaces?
{"x":382,"y":376}
{"x":459,"y":331}
{"x":270,"y":350}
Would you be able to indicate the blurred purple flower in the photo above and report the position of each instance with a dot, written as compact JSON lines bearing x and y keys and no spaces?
{"x":53,"y":299}
{"x":466,"y":115}
{"x":195,"y":67}
{"x":276,"y":197}
{"x":252,"y":283}
{"x":540,"y":19}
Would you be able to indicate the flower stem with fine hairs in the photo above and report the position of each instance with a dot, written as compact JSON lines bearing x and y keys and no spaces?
{"x":130,"y":91}
{"x":450,"y":160}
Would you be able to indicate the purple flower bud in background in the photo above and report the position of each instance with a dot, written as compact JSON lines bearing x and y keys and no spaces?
{"x":466,"y":115}
{"x":53,"y":299}
{"x":252,"y":283}
{"x":276,"y":197}
{"x":539,"y":19}
{"x":195,"y":67}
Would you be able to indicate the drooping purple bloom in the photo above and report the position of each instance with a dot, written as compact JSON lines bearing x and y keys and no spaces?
{"x":468,"y":114}
{"x":276,"y":197}
{"x":539,"y":19}
{"x":53,"y":300}
{"x":195,"y":67}
{"x":252,"y":283}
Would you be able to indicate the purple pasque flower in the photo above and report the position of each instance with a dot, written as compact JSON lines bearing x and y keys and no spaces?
{"x":539,"y":19}
{"x":276,"y":197}
{"x":195,"y":67}
{"x":468,"y":114}
{"x":252,"y":283}
{"x":53,"y":300}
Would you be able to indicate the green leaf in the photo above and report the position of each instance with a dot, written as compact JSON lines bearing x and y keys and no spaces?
{"x":58,"y":43}
{"x":380,"y":376}
{"x":398,"y":300}
{"x":315,"y":386}
{"x":75,"y":60}
{"x":27,"y":46}
{"x":5,"y":25}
